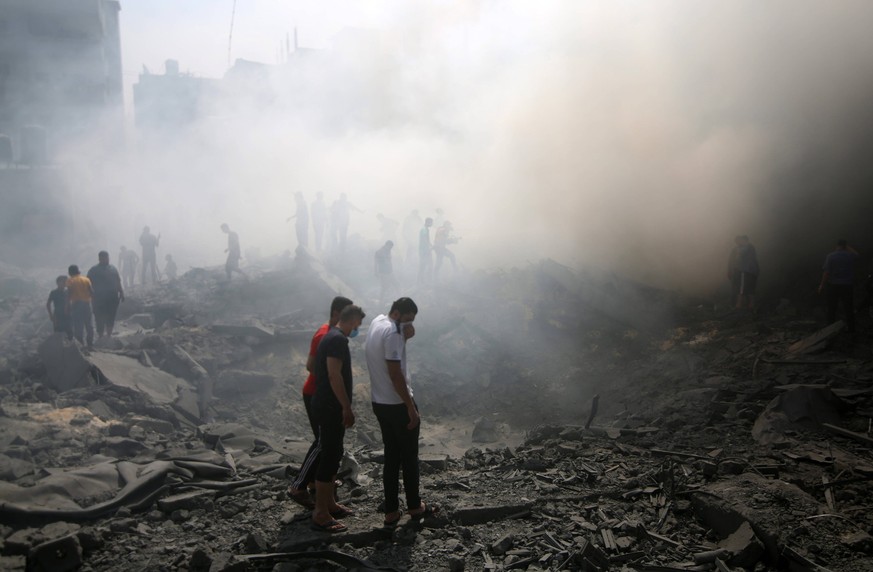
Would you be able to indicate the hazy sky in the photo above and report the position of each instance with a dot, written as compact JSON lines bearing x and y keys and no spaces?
{"x":636,"y":135}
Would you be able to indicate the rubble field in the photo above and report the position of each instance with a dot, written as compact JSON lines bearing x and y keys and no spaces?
{"x":570,"y":421}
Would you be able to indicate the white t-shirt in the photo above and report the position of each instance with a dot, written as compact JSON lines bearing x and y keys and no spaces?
{"x":385,"y":342}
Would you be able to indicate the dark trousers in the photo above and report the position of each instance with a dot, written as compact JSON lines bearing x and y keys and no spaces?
{"x":401,"y":451}
{"x":80,"y":316}
{"x":330,"y":436}
{"x":310,"y":461}
{"x":105,"y":308}
{"x":841,"y":294}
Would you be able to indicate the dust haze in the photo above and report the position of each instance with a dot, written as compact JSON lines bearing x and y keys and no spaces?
{"x":635,"y":137}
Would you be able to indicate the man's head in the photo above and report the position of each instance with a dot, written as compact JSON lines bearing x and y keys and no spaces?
{"x":145,"y":230}
{"x":842,"y":243}
{"x":403,"y":310}
{"x":103,"y":258}
{"x":336,"y":307}
{"x":428,"y":222}
{"x":350,"y":318}
{"x":61,"y":281}
{"x":123,"y":248}
{"x":168,"y":257}
{"x":389,"y":244}
{"x":73,"y":270}
{"x":224,"y":227}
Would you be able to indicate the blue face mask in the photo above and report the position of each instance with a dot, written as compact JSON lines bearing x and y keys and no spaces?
{"x":354,"y":333}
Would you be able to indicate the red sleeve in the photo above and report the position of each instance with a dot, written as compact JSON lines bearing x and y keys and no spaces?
{"x":316,"y":339}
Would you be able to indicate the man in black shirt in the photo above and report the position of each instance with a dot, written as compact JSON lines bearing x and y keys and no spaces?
{"x":332,"y":409}
{"x":108,"y":293}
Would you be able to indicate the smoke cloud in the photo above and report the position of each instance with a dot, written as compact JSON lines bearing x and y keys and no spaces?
{"x":637,"y":137}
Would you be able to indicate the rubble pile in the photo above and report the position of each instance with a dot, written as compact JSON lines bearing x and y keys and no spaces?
{"x":570,"y":421}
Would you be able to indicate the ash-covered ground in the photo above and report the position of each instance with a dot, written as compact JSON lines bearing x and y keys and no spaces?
{"x":721,"y":440}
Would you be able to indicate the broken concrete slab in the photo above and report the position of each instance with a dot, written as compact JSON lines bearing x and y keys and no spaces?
{"x":66,"y":366}
{"x":255,"y":330}
{"x":186,"y":501}
{"x":232,"y":382}
{"x":158,"y":385}
{"x":801,"y":407}
{"x":745,"y":547}
{"x":145,"y":321}
{"x":817,"y":341}
{"x":59,"y":555}
{"x":484,"y":514}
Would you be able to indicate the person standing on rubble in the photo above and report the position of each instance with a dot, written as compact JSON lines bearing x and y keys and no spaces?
{"x":306,"y":476}
{"x":384,"y":269}
{"x":234,"y":254}
{"x":838,"y":282}
{"x":340,"y":214}
{"x":747,"y":265}
{"x":108,"y":293}
{"x":319,"y":219}
{"x":395,"y":408}
{"x":425,"y":253}
{"x":411,"y":224}
{"x":332,"y":404}
{"x":149,"y":243}
{"x":79,"y":305}
{"x":441,"y":242}
{"x":127,"y":262}
{"x":57,"y":308}
{"x":301,"y":224}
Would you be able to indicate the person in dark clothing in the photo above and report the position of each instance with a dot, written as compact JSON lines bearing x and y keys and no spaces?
{"x":306,"y":475}
{"x":838,"y":282}
{"x":301,"y":225}
{"x":108,"y":293}
{"x":319,"y":219}
{"x":57,"y":308}
{"x":384,"y":269}
{"x":234,"y":253}
{"x":332,"y":405}
{"x":149,"y":243}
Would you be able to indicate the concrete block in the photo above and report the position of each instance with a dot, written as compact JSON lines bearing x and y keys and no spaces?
{"x":233,"y":382}
{"x":482,"y":515}
{"x":57,"y":555}
{"x":65,"y":365}
{"x":439,"y":462}
{"x":746,"y":548}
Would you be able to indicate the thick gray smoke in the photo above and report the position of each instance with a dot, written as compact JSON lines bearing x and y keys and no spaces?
{"x":638,"y":137}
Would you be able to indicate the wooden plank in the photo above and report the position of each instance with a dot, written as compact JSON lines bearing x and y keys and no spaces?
{"x":860,"y":437}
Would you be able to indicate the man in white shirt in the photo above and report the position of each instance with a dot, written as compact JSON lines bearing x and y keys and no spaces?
{"x":395,"y":408}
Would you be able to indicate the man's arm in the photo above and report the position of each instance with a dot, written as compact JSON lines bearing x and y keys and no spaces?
{"x":48,"y":308}
{"x":335,"y":376}
{"x":398,"y":380}
{"x":119,"y":287}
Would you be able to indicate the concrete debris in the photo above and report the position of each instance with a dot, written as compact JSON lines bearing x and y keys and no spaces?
{"x":172,"y":446}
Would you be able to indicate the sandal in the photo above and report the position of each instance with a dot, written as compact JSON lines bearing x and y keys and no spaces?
{"x":331,"y":526}
{"x":392,"y":523}
{"x":302,"y":498}
{"x":342,"y":512}
{"x":427,"y":511}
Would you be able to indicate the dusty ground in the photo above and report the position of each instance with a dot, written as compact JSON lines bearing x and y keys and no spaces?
{"x":709,"y":450}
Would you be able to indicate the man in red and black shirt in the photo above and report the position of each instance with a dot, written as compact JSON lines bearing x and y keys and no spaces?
{"x":306,"y":476}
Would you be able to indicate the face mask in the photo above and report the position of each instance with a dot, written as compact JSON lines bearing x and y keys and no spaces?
{"x":354,"y":333}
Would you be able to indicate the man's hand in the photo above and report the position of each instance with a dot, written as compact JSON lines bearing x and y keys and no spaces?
{"x":348,"y":417}
{"x":408,"y":331}
{"x":414,"y":417}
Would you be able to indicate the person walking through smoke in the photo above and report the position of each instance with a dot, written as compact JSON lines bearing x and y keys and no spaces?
{"x":395,"y":408}
{"x":838,"y":282}
{"x":319,"y":219}
{"x":743,"y":272}
{"x":149,"y":243}
{"x":79,"y":305}
{"x":127,"y":263}
{"x":384,"y":269}
{"x":57,"y":308}
{"x":234,"y":254}
{"x":425,"y":253}
{"x":340,"y":213}
{"x":306,"y":475}
{"x":108,"y":293}
{"x":301,"y":224}
{"x":332,"y":405}
{"x":441,"y":242}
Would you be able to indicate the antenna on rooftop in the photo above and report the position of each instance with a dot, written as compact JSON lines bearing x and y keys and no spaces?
{"x":230,"y":36}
